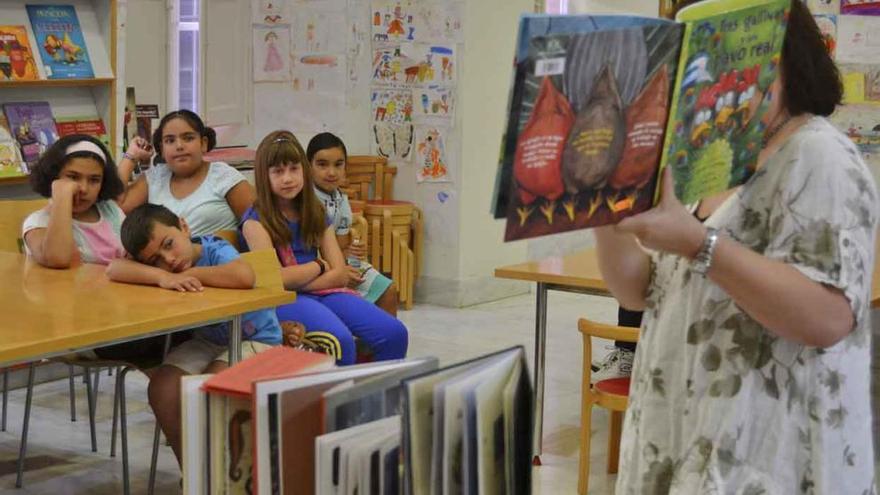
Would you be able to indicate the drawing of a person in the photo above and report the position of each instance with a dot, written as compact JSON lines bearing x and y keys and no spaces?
{"x":395,"y":27}
{"x":310,"y":36}
{"x":273,"y":61}
{"x":425,"y":102}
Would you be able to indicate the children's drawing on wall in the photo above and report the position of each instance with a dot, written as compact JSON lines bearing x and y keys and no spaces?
{"x":271,"y":53}
{"x":393,"y":141}
{"x":270,"y":12}
{"x":393,"y":21}
{"x":439,"y":22}
{"x":861,"y":122}
{"x":392,"y":106}
{"x":358,"y":31}
{"x":319,"y":29}
{"x":860,"y":7}
{"x":431,"y":155}
{"x":858,"y":39}
{"x":318,"y":73}
{"x":434,"y":102}
{"x":831,"y":7}
{"x":828,"y":27}
{"x":413,"y":65}
{"x":861,"y":83}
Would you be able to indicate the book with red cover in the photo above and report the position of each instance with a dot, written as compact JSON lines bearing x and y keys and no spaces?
{"x":231,"y":407}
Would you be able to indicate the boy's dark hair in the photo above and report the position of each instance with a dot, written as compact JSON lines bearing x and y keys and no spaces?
{"x":137,"y":228}
{"x":324,"y":141}
{"x":193,"y":120}
{"x":812,"y":81}
{"x":49,"y":166}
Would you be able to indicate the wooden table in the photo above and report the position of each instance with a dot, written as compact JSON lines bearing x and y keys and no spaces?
{"x":578,"y":273}
{"x":50,"y":312}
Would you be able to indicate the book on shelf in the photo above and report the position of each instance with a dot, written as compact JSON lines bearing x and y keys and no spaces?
{"x":129,"y":119}
{"x":33,"y":126}
{"x":369,"y":428}
{"x":16,"y":59}
{"x":11,"y":162}
{"x":91,"y":125}
{"x":60,"y":40}
{"x":600,"y":105}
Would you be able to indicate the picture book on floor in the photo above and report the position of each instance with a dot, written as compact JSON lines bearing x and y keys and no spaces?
{"x":289,"y":422}
{"x":60,"y":41}
{"x":33,"y":126}
{"x":16,"y":59}
{"x":601,"y":104}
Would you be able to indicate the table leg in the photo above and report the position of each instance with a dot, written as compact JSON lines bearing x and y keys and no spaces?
{"x":540,"y":350}
{"x":235,"y":340}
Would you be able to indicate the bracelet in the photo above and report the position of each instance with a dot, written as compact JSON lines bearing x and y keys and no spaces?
{"x":703,"y":260}
{"x":321,"y":265}
{"x":125,"y":154}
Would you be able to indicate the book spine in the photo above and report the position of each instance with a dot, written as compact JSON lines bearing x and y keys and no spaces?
{"x":676,"y":94}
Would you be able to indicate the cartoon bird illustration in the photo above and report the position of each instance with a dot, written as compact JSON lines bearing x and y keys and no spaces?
{"x":725,"y":104}
{"x":72,"y":51}
{"x":696,"y":71}
{"x":701,"y":126}
{"x":749,"y":96}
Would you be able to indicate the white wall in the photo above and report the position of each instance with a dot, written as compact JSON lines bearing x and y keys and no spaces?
{"x":641,"y":7}
{"x":146,"y":66}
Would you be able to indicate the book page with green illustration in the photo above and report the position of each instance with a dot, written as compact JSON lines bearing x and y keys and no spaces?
{"x":729,"y":59}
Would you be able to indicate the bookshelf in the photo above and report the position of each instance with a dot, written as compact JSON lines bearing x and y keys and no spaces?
{"x":98,"y":95}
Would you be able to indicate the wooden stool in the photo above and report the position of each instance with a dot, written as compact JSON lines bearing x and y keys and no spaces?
{"x":395,"y":242}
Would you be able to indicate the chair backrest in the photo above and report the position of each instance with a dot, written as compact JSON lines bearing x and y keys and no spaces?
{"x":368,"y":177}
{"x":266,"y":267}
{"x":590,"y":329}
{"x":12,"y":215}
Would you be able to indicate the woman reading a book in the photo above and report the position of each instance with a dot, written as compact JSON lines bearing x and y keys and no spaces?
{"x":752,"y":370}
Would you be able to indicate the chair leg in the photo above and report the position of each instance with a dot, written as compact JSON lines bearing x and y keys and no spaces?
{"x":115,"y":414}
{"x":89,"y":394}
{"x":584,"y":461}
{"x":154,"y":460}
{"x":126,"y":483}
{"x":614,"y":440}
{"x":72,"y":393}
{"x":5,"y":397}
{"x":22,"y":452}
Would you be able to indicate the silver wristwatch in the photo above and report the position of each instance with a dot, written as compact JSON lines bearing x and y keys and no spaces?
{"x":703,"y":260}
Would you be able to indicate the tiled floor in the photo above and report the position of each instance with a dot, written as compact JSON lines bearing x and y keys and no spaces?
{"x":60,"y":462}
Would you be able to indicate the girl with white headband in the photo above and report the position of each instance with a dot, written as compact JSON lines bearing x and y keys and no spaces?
{"x":82,"y":220}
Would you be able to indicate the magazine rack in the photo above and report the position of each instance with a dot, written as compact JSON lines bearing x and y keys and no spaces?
{"x":72,"y":97}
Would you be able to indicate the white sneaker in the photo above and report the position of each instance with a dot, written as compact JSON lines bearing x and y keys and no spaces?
{"x":617,"y":364}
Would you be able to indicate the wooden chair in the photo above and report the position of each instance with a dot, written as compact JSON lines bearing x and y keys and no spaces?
{"x":12,"y":215}
{"x":612,"y":394}
{"x":368,"y":177}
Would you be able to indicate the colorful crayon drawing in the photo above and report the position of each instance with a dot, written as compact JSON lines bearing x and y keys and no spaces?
{"x":318,"y":30}
{"x":431,"y":155}
{"x":860,"y":7}
{"x":270,"y":12}
{"x":393,"y":21}
{"x":434,"y":102}
{"x":392,"y":106}
{"x":318,"y":73}
{"x":414,"y":65}
{"x":271,"y":53}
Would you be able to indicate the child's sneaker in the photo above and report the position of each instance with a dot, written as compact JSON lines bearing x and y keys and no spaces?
{"x":617,"y":364}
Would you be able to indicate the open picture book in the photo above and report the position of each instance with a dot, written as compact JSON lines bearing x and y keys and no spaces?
{"x":601,"y":104}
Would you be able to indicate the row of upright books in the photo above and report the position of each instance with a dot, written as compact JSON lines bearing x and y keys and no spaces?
{"x":289,"y":422}
{"x":27,"y":129}
{"x":59,"y":42}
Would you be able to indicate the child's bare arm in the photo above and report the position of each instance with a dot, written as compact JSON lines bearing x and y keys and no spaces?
{"x":338,"y":273}
{"x":134,"y":195}
{"x":132,"y":272}
{"x":294,"y":277}
{"x":54,"y":246}
{"x":236,"y":274}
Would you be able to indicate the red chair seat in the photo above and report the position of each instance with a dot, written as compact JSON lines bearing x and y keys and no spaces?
{"x":615,"y":386}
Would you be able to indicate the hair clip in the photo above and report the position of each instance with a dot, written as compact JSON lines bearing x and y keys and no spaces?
{"x":281,"y":140}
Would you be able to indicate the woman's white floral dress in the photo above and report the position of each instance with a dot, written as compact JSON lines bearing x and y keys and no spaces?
{"x":720,"y":405}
